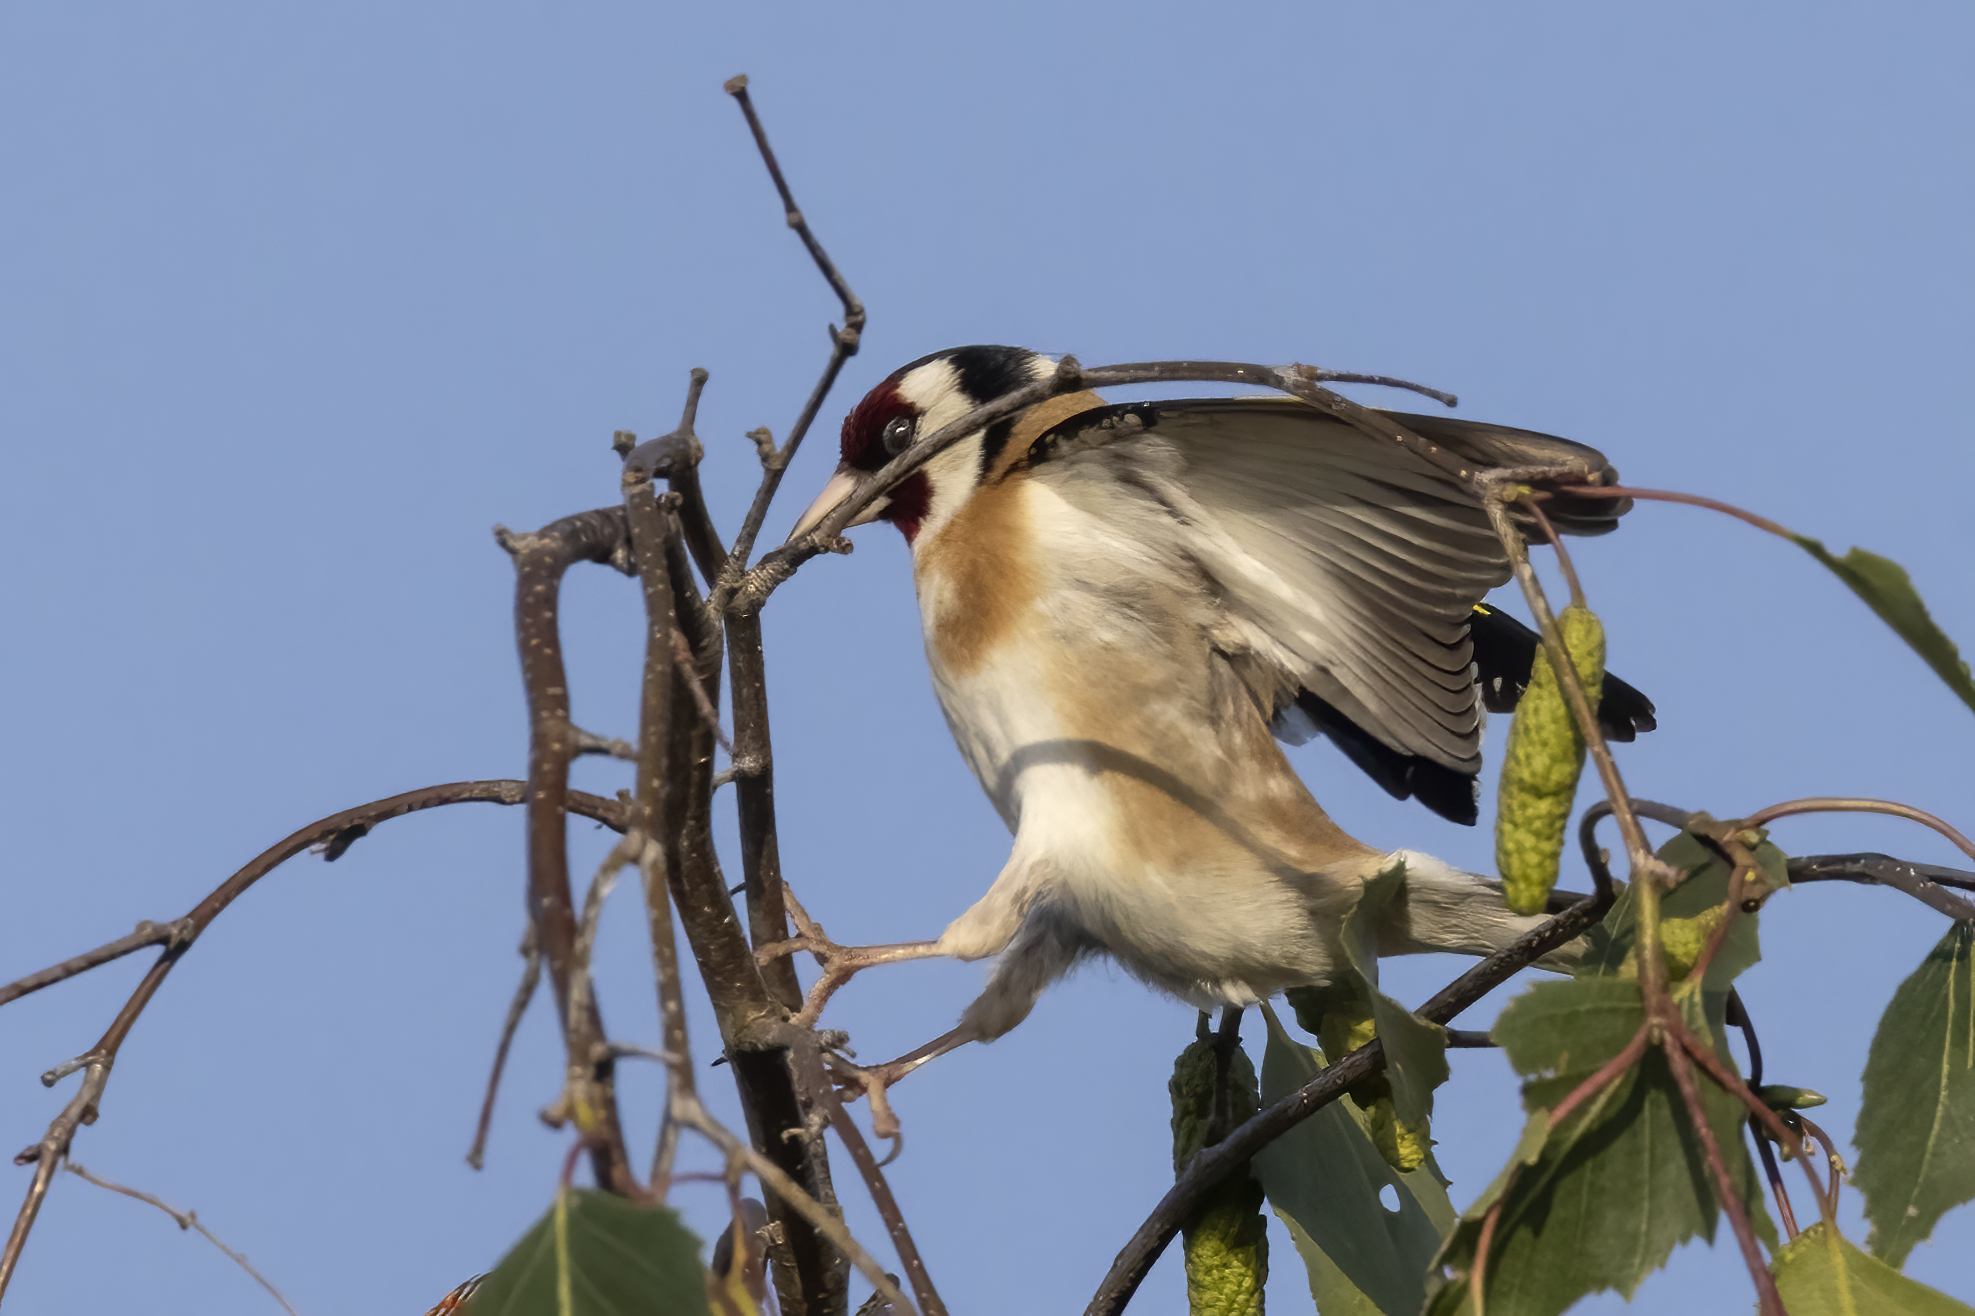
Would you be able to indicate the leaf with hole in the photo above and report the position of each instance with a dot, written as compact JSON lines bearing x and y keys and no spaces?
{"x":593,"y":1254}
{"x":1324,"y":1178}
{"x":1916,"y":1124}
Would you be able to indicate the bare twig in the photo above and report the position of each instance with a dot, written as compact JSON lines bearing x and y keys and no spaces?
{"x":695,"y":1116}
{"x":147,"y":934}
{"x":1846,"y":804}
{"x":1737,"y":1016}
{"x":1639,"y":854}
{"x":588,"y":742}
{"x":1535,"y":506}
{"x":1924,"y":882}
{"x":187,"y":1220}
{"x":582,"y":990}
{"x":671,"y":1009}
{"x":531,"y":977}
{"x":750,"y":592}
{"x":100,"y":1058}
{"x":1667,"y":496}
{"x":843,"y":345}
{"x":776,"y":1068}
{"x":754,"y":798}
{"x":540,"y":561}
{"x":881,"y":1197}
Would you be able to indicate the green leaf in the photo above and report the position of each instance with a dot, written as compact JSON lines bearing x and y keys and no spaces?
{"x":1916,"y":1124}
{"x":1888,"y":591}
{"x":1415,"y":1050}
{"x":1324,"y":1177}
{"x":1820,"y":1274}
{"x":593,"y":1254}
{"x":1687,"y":913}
{"x":1601,"y":1200}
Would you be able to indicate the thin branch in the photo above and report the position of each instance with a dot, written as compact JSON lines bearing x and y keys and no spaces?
{"x":695,"y":1116}
{"x":588,"y":742}
{"x":676,"y":458}
{"x":540,"y":561}
{"x":1923,"y":882}
{"x":682,"y":654}
{"x":99,"y":1058}
{"x":147,"y":934}
{"x":881,"y":1197}
{"x":531,"y":977}
{"x":1639,"y":853}
{"x":1668,"y":496}
{"x":777,"y":1069}
{"x":1737,"y":1016}
{"x":1731,"y":1201}
{"x":748,"y":593}
{"x":754,"y":798}
{"x":1846,"y":804}
{"x":187,"y":1220}
{"x":1602,"y":1077}
{"x":582,"y":987}
{"x":1729,"y":1082}
{"x":671,"y":1009}
{"x":45,"y":1155}
{"x":843,"y":345}
{"x":1535,"y":506}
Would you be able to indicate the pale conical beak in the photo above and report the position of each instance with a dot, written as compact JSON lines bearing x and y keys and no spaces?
{"x":840,"y":487}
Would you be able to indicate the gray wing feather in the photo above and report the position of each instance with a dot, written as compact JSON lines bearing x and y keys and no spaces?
{"x":1348,"y":565}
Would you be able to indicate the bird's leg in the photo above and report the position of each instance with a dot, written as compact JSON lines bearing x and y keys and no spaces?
{"x":839,"y":963}
{"x":875,"y":1080}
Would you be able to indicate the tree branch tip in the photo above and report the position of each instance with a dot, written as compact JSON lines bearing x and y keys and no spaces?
{"x":622,"y":441}
{"x":1069,"y":374}
{"x":736,"y":85}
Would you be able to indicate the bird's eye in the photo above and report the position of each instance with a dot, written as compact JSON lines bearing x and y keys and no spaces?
{"x":898,"y":434}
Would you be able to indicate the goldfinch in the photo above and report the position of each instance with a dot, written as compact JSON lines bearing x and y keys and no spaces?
{"x":1125,"y":606}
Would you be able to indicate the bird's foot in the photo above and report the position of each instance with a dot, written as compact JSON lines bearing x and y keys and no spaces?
{"x":874,"y":1081}
{"x":839,"y":963}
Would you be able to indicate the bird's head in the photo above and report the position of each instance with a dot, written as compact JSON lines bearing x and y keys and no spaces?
{"x":914,"y":403}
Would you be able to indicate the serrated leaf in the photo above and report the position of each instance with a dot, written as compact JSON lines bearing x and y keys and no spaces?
{"x":593,"y":1254}
{"x":1821,"y":1274}
{"x":1600,"y":1201}
{"x":1687,"y":914}
{"x":1888,"y":591}
{"x":1323,"y":1178}
{"x":1916,"y":1124}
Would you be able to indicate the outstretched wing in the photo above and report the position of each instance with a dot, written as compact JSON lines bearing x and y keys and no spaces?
{"x":1346,"y":568}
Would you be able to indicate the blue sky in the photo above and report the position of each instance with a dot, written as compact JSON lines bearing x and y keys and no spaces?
{"x":297,"y":301}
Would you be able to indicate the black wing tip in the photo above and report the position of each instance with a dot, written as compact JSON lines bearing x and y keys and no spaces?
{"x":1504,"y":655}
{"x":1452,"y":794}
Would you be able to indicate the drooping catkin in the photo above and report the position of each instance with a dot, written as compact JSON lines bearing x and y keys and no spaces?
{"x":1545,"y":758}
{"x":1227,"y":1244}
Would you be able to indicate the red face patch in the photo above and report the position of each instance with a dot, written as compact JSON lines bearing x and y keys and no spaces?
{"x":864,"y":427}
{"x":864,"y":450}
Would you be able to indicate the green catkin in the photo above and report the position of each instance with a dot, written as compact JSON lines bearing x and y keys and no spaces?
{"x":1545,"y":758}
{"x":1341,"y":1017}
{"x":1227,"y":1245}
